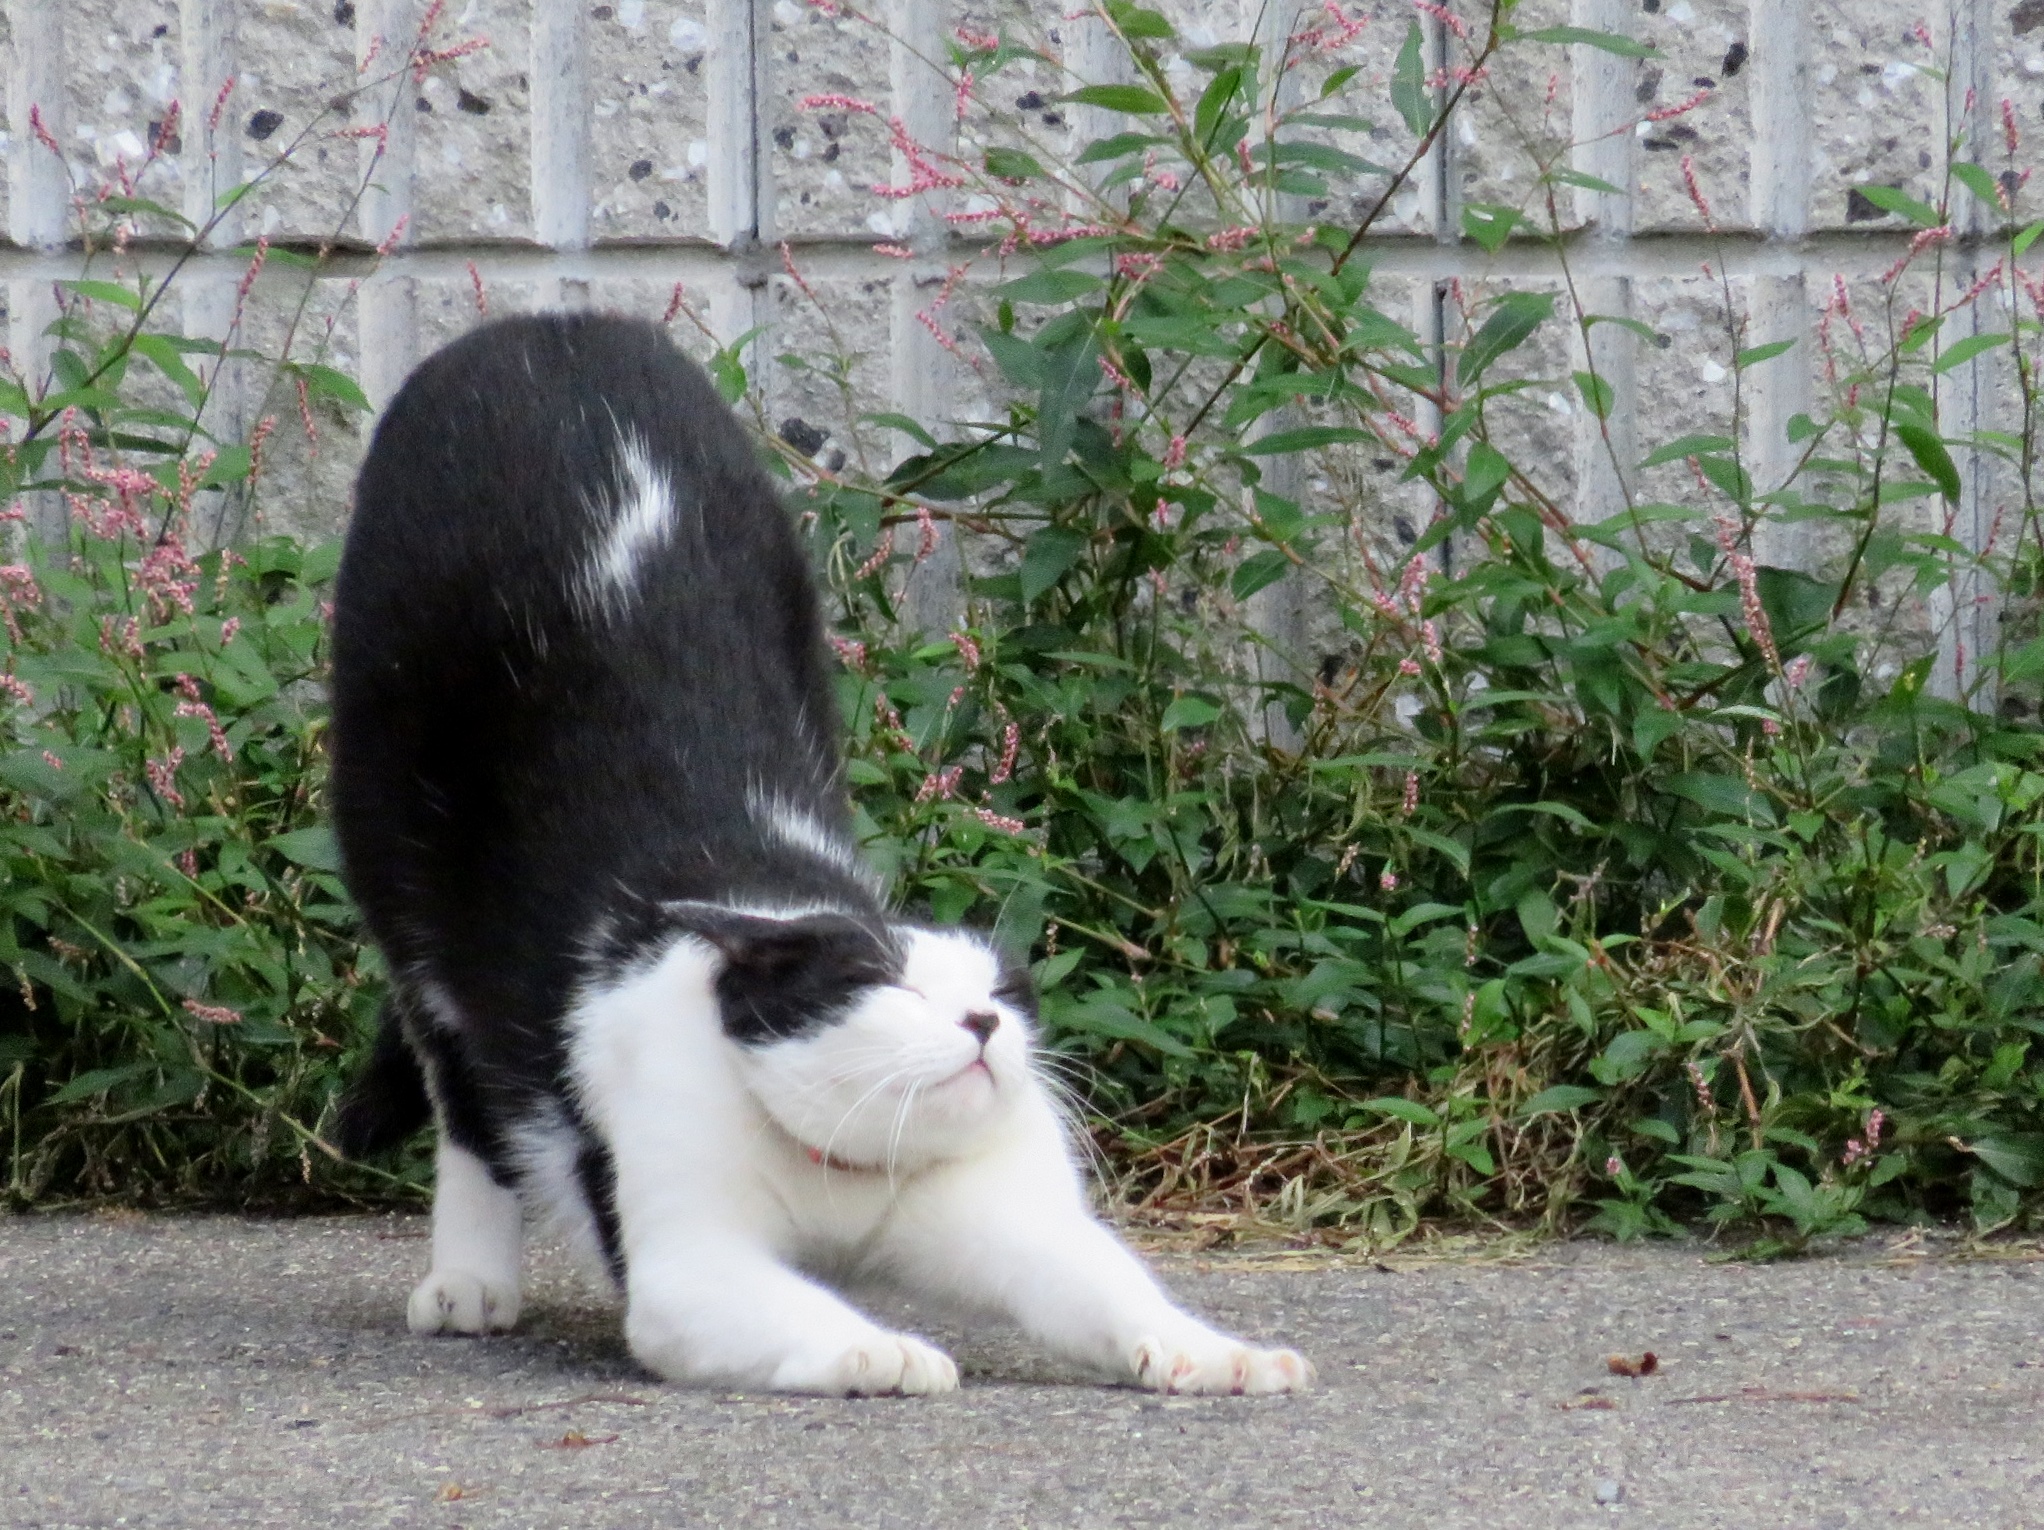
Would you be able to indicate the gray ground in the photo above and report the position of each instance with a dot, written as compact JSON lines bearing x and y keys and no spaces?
{"x":213,"y":1372}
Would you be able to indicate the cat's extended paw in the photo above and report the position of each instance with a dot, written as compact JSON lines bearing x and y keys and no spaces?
{"x":454,"y":1301}
{"x":884,"y":1364}
{"x":1216,"y":1366}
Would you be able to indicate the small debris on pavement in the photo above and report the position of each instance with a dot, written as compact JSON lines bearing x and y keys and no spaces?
{"x":1610,"y":1492}
{"x":1625,"y":1365}
{"x":575,"y":1439}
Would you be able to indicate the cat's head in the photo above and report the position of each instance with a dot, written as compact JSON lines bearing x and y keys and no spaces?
{"x":875,"y":1043}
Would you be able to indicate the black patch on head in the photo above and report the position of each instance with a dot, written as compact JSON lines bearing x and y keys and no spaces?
{"x":1017,"y":989}
{"x":783,"y":979}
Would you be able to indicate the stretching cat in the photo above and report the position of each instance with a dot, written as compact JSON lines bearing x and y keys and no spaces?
{"x":586,"y":780}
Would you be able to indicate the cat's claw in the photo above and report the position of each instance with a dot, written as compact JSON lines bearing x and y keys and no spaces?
{"x":454,"y":1301}
{"x":1213,"y":1366}
{"x":886,"y":1364}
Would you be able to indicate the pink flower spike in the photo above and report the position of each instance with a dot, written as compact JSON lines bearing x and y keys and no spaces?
{"x":1011,"y":744}
{"x":838,"y":103}
{"x":41,"y":132}
{"x":1696,"y":195}
{"x":213,"y":1014}
{"x":1446,"y":17}
{"x":1664,"y":113}
{"x":475,"y":278}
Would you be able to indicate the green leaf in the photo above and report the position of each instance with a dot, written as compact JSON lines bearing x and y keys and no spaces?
{"x":1513,"y":321}
{"x":1930,"y":454}
{"x":119,"y":204}
{"x":1753,"y":356}
{"x":1117,"y":147}
{"x":2017,"y":1157}
{"x":1726,"y":795}
{"x":1960,"y":352}
{"x":1136,"y":100}
{"x":1071,"y":374}
{"x":1104,"y":1017}
{"x":1893,"y":200}
{"x":167,"y":359}
{"x":1686,"y":447}
{"x":1047,"y":557}
{"x":1012,"y":165}
{"x":1489,"y":224}
{"x":1609,"y":42}
{"x":1306,"y":438}
{"x":104,"y":292}
{"x":1049,"y":287}
{"x":313,"y":848}
{"x":1598,"y":394}
{"x":907,"y":426}
{"x":1187,"y":712}
{"x":1403,"y":1110}
{"x":1558,"y":1098}
{"x":1980,"y":182}
{"x":1409,"y":93}
{"x":1259,"y":572}
{"x":326,"y":382}
{"x":1213,"y":104}
{"x":1134,"y":21}
{"x":1486,"y":473}
{"x":1020,"y":362}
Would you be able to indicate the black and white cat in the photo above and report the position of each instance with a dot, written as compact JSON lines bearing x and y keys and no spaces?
{"x":586,"y":779}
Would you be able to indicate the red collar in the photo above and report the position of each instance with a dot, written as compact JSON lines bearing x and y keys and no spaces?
{"x":825,"y":1160}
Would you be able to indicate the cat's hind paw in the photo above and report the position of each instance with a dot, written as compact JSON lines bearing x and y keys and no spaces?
{"x":1214,"y":1366}
{"x":454,"y":1301}
{"x":883,"y":1365}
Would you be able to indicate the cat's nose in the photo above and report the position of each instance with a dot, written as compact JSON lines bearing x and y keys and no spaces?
{"x":982,"y":1023}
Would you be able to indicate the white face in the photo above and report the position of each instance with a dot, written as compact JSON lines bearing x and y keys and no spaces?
{"x":913,"y":1073}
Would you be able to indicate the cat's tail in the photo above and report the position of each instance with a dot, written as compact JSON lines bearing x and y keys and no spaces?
{"x":386,"y":1102}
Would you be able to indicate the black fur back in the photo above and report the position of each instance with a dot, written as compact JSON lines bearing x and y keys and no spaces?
{"x":529,"y":761}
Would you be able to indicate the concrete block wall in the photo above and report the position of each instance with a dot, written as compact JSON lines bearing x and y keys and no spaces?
{"x":598,"y":152}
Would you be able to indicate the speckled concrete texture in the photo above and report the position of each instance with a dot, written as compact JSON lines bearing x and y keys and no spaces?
{"x":600,"y":152}
{"x":212,"y":1372}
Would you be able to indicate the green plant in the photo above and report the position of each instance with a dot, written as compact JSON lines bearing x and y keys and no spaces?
{"x":189,"y":985}
{"x":1595,"y":873}
{"x":1557,"y":839}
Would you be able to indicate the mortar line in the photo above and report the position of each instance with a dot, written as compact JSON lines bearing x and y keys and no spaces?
{"x":387,"y":318}
{"x":558,"y":164}
{"x":1779,"y":207}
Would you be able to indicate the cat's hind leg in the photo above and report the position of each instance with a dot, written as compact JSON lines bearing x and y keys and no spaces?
{"x":478,"y":1228}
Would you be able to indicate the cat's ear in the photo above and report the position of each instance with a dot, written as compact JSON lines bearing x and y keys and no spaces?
{"x":770,"y":949}
{"x":787,"y":978}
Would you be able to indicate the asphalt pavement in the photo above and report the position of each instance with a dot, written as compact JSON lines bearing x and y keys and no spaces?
{"x":214,"y":1372}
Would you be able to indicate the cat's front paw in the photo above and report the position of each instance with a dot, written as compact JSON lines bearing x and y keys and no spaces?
{"x":454,"y":1301}
{"x":1213,"y":1365}
{"x":884,"y":1364}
